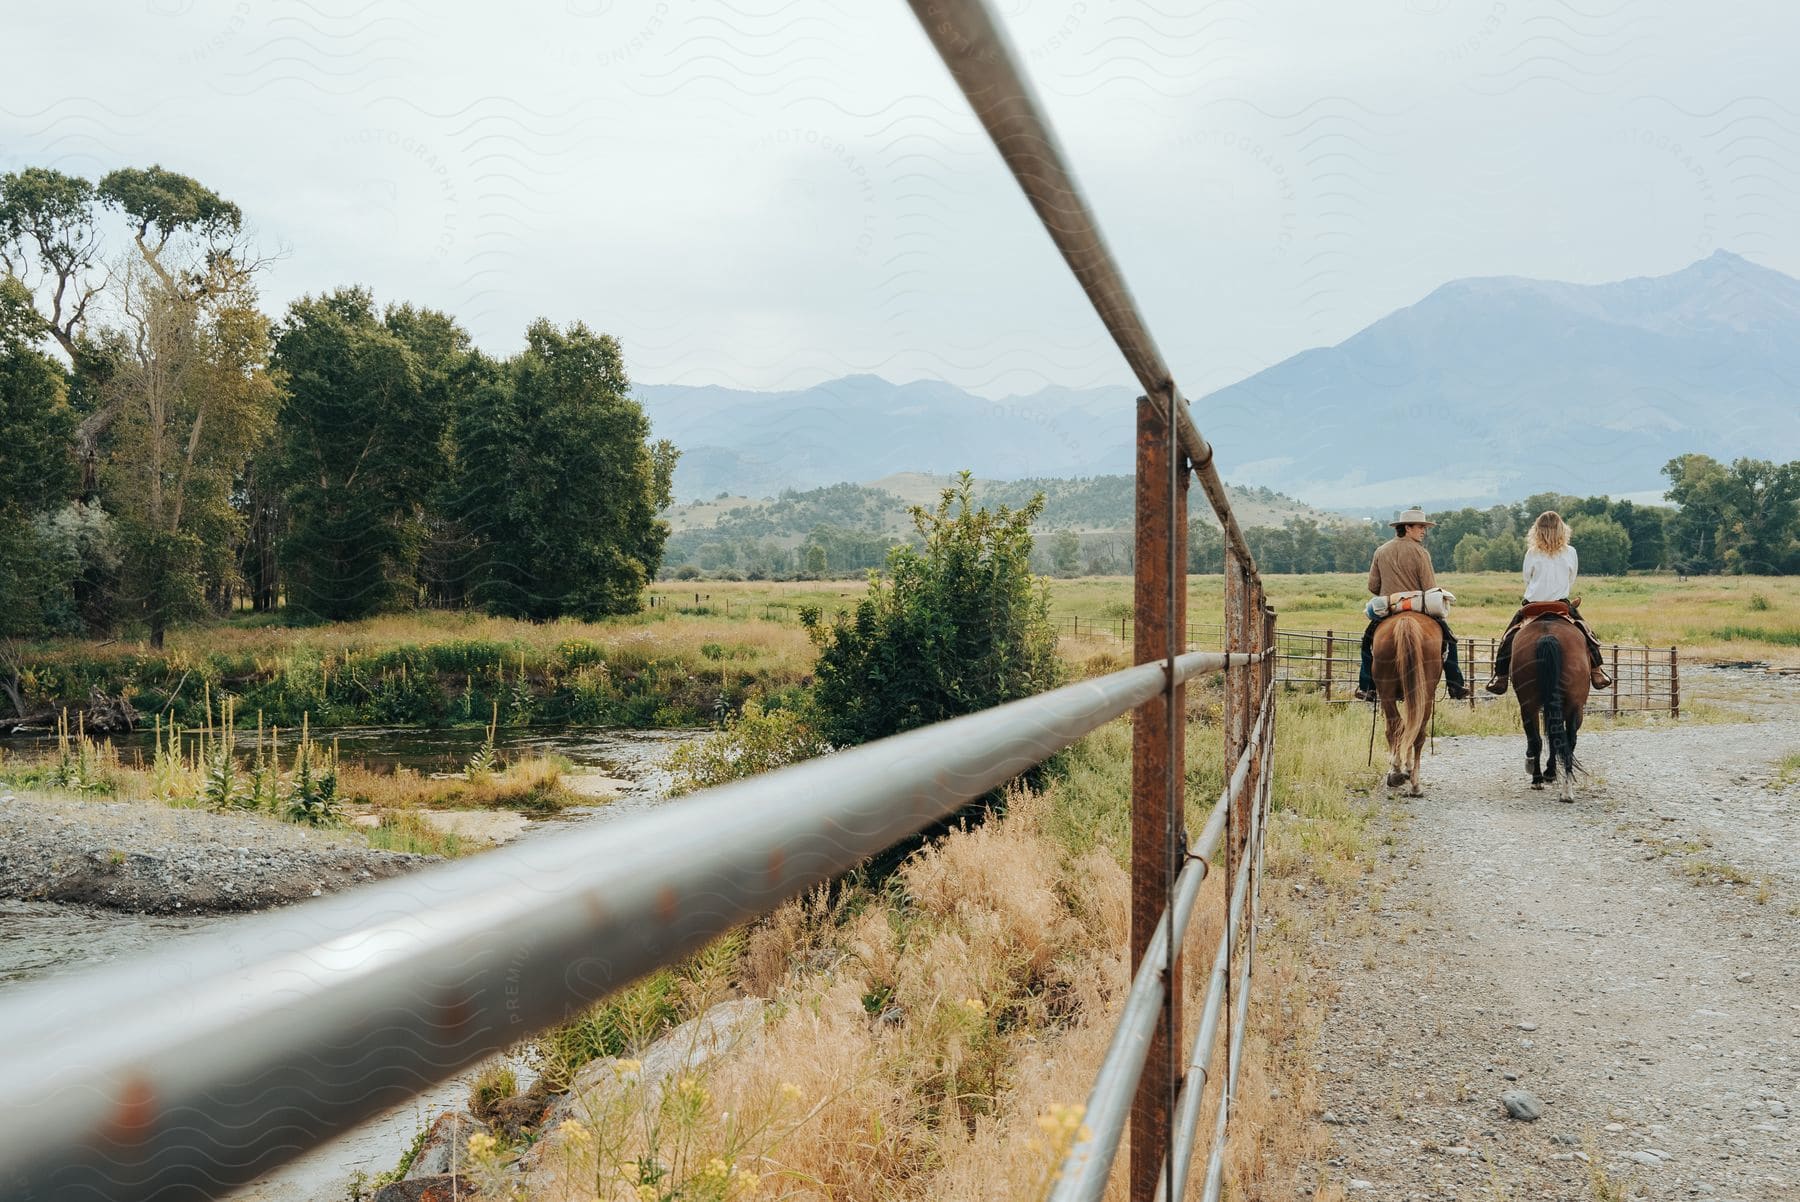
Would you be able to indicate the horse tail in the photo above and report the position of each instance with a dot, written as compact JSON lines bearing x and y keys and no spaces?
{"x":1550,"y":697}
{"x":1411,"y":667}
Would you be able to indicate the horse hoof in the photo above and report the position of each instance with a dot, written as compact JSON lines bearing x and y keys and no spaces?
{"x":1538,"y":785}
{"x":1415,"y":792}
{"x":1396,"y":778}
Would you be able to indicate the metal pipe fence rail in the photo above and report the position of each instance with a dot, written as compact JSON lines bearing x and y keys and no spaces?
{"x":1645,"y":679}
{"x":196,"y":1070}
{"x":199,"y":1069}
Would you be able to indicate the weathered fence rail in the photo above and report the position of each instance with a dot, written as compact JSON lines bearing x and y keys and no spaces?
{"x":196,"y":1069}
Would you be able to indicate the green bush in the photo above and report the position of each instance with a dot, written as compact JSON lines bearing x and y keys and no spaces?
{"x":754,"y":741}
{"x":959,"y":625}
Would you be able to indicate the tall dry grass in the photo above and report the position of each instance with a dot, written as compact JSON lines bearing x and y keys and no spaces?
{"x":934,"y":1038}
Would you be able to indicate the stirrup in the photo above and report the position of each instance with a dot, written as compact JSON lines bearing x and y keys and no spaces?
{"x":1599,"y":679}
{"x":1497,"y":686}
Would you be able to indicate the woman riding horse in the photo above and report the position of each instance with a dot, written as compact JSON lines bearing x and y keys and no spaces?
{"x":1550,"y":569}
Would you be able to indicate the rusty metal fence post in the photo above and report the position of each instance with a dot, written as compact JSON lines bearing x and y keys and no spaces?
{"x":1155,"y":758}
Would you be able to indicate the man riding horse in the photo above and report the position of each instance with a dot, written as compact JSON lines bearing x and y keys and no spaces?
{"x":1550,"y":569}
{"x":1403,"y":565}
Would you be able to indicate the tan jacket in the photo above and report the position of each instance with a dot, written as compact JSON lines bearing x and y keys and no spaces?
{"x":1400,"y":566}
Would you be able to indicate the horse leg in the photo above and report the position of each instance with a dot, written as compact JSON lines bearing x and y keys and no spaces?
{"x":1534,"y":744}
{"x":1568,"y":776}
{"x":1417,"y":787}
{"x":1395,"y":773}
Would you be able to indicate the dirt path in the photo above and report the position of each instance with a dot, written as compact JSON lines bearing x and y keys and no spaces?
{"x":1632,"y":960}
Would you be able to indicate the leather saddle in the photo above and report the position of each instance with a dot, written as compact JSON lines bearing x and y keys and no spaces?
{"x":1546,"y":609}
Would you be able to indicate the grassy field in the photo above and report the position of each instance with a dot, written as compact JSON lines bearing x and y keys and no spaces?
{"x":701,"y":649}
{"x":1708,"y":617}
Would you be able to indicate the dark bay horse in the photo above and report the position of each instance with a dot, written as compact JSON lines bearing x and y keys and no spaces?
{"x":1408,"y":661}
{"x":1550,"y":675}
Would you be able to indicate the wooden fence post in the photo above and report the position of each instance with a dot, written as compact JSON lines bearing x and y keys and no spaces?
{"x":1471,"y":675}
{"x":1330,"y":640}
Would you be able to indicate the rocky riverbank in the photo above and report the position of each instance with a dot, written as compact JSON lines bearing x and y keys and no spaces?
{"x":150,"y":859}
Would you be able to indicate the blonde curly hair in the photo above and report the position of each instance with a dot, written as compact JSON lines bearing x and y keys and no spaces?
{"x":1549,"y":534}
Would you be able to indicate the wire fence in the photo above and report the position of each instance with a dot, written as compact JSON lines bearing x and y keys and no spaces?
{"x":1644,"y":679}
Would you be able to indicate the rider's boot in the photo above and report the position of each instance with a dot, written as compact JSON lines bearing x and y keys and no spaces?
{"x":1497,"y":686}
{"x":1599,"y":679}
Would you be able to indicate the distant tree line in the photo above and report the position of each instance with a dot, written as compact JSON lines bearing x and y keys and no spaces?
{"x":170,"y":451}
{"x":1741,"y":518}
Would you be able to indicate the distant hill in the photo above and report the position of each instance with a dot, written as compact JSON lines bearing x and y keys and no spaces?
{"x":758,"y":444}
{"x":1502,"y":387}
{"x":1483,"y":390}
{"x":859,"y":522}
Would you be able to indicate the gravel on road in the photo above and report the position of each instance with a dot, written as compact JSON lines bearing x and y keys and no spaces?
{"x":1630,"y":961}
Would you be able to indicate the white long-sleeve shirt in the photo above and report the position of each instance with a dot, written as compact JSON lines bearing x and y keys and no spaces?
{"x":1550,"y":577}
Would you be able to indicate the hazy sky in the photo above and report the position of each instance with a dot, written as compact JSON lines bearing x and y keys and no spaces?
{"x":767,"y":193}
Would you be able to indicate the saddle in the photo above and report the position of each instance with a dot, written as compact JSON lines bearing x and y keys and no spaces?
{"x":1545,"y":609}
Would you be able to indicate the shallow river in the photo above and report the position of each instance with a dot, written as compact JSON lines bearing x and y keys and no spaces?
{"x":41,"y":939}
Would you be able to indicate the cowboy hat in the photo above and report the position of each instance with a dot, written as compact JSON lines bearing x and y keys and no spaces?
{"x":1412,"y":517}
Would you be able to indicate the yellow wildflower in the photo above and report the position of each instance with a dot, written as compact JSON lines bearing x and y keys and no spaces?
{"x":575,"y":1131}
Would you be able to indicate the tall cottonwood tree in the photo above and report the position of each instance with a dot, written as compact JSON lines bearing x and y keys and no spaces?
{"x":360,"y":451}
{"x":192,"y":400}
{"x":557,"y":486}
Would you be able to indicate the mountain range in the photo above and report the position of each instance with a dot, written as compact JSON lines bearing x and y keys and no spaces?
{"x":1487,"y":389}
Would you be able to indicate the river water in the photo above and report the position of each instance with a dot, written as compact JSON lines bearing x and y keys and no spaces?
{"x":42,"y":939}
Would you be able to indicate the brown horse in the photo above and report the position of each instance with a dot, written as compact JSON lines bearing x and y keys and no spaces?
{"x":1552,"y":678}
{"x":1408,"y":661}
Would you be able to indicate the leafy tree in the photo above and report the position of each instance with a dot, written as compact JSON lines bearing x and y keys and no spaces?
{"x":1603,"y":544}
{"x":556,"y":482}
{"x":1452,"y":525}
{"x":48,"y":234}
{"x":1644,"y":527}
{"x":956,"y":626}
{"x":37,"y":469}
{"x":1477,"y":553}
{"x":1470,"y":552}
{"x":445,"y":358}
{"x":1762,"y":517}
{"x":166,"y":210}
{"x":1065,"y":552}
{"x":192,"y":400}
{"x":359,"y":454}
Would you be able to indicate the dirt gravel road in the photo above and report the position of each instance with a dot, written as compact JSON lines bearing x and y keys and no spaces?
{"x":1632,"y":960}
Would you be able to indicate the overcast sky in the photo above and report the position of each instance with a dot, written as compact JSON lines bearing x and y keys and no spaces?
{"x":768,"y":193}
